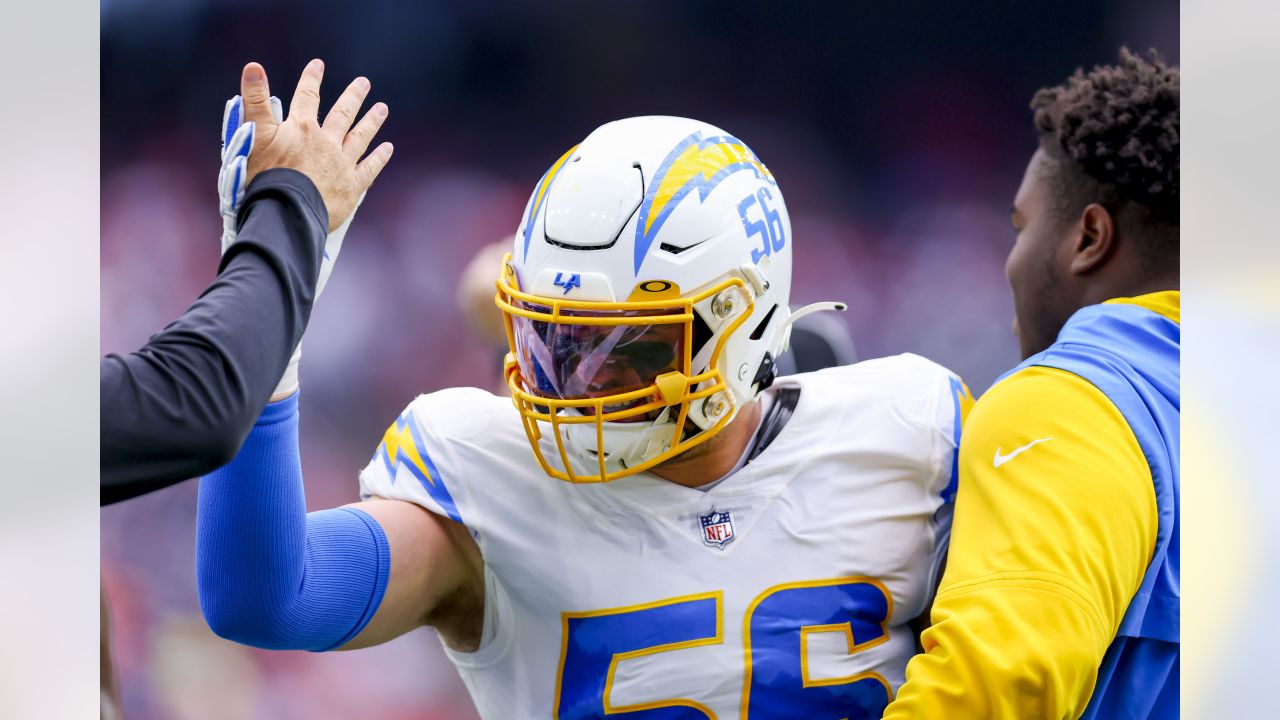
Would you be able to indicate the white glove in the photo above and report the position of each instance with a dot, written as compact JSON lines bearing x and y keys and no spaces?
{"x":237,"y":144}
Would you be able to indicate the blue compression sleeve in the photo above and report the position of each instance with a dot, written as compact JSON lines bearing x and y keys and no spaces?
{"x":269,"y":574}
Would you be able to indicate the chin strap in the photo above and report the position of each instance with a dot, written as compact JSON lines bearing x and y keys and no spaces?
{"x":806,"y":310}
{"x":813,"y":308}
{"x":768,"y":368}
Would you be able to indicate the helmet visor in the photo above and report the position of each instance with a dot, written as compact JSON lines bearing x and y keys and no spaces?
{"x":571,"y":361}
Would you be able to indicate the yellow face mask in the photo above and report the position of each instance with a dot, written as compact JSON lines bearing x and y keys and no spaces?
{"x":577,"y":365}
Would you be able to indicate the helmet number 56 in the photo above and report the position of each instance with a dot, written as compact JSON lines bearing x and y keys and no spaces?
{"x":773,"y":237}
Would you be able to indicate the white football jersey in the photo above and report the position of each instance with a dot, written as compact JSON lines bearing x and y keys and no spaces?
{"x":783,"y":591}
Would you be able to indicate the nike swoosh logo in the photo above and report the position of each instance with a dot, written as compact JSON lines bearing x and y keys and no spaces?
{"x":1001,"y":458}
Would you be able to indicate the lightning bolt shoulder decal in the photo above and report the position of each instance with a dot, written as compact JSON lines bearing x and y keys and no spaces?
{"x":695,"y":163}
{"x":402,"y":446}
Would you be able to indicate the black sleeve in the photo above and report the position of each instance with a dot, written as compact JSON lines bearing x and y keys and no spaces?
{"x":181,"y":406}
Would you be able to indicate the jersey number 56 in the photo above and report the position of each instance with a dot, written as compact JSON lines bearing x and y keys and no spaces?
{"x":775,"y":631}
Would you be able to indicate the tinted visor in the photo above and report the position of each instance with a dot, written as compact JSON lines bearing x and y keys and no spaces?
{"x":572,"y":361}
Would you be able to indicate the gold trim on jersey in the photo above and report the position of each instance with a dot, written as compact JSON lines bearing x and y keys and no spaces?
{"x":609,"y":708}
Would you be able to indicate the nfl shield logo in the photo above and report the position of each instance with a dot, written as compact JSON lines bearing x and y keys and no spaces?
{"x":717,"y":528}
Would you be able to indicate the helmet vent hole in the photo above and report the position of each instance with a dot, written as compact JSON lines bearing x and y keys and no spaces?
{"x":674,"y":249}
{"x":759,"y":331}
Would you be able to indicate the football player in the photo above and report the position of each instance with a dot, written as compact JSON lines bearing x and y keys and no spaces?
{"x":1061,"y":597}
{"x":650,"y":525}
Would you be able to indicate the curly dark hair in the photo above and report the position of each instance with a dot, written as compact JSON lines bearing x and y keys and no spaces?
{"x":1117,"y":126}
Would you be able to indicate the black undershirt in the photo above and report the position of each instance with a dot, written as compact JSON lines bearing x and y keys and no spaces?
{"x":785,"y":399}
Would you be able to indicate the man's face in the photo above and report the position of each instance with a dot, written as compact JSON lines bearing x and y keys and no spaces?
{"x":568,"y":360}
{"x":1037,"y":262}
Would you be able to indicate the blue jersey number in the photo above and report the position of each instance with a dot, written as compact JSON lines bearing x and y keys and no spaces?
{"x":594,"y":643}
{"x":778,"y":625}
{"x":773,"y":237}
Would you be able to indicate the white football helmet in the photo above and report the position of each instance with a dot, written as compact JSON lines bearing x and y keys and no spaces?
{"x":646,"y":295}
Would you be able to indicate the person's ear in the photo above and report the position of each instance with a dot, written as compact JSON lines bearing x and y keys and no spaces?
{"x":1095,"y":241}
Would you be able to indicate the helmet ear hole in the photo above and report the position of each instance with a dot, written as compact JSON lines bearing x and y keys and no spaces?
{"x":759,"y":331}
{"x":701,"y":335}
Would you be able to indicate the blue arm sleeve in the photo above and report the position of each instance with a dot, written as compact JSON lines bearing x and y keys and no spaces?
{"x":269,"y":574}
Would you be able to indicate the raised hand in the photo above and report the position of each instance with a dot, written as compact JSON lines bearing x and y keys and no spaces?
{"x":329,"y":153}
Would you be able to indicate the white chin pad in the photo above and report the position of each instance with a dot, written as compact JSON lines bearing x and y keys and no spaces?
{"x":625,"y":444}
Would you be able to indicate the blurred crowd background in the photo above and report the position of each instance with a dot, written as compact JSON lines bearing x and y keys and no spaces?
{"x":898,"y":132}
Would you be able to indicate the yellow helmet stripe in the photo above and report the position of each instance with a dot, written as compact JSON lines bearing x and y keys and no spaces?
{"x":540,"y":193}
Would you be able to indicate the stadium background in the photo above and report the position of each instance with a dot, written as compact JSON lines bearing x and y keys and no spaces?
{"x":898,"y":135}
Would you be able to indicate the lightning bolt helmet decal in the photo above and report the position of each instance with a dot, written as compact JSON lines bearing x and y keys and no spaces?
{"x":540,"y":196}
{"x":695,"y":163}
